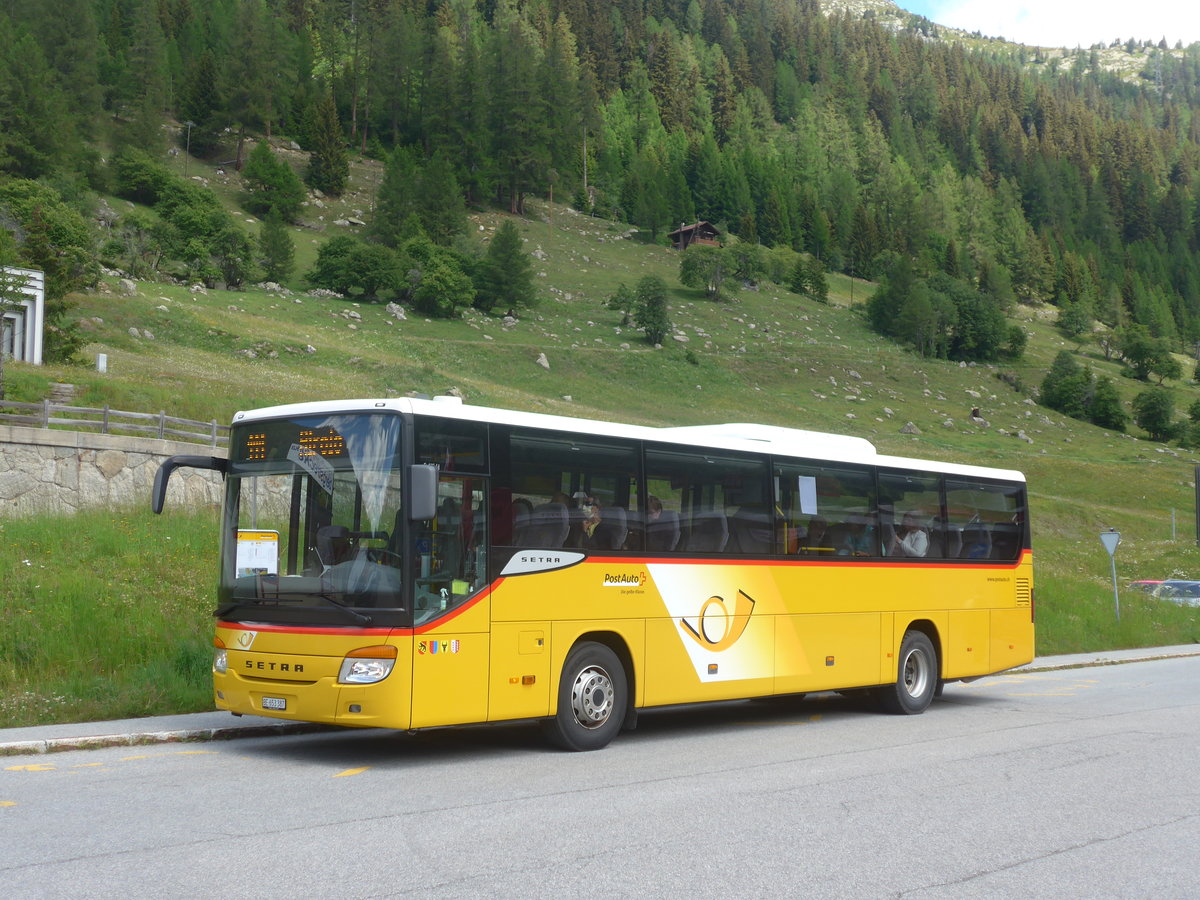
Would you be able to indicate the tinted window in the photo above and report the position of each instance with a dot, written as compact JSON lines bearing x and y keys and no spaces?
{"x":451,"y":444}
{"x":707,"y":503}
{"x":984,"y":520}
{"x":576,"y":493}
{"x":827,"y":510}
{"x":910,"y":514}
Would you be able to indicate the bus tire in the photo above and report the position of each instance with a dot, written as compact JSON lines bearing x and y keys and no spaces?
{"x":916,"y":677}
{"x":592,"y":699}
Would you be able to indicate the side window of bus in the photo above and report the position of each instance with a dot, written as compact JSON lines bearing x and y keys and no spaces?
{"x":826,"y":510}
{"x":705,"y":503}
{"x":910,"y":516}
{"x":988,"y":519}
{"x":578,"y":493}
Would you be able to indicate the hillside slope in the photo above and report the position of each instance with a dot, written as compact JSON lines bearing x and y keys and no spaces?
{"x":766,"y":356}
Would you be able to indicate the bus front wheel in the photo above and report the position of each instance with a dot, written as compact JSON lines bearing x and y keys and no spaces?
{"x":592,"y":697}
{"x":916,"y":677}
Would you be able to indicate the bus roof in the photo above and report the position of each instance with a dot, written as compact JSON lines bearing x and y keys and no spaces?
{"x":745,"y":437}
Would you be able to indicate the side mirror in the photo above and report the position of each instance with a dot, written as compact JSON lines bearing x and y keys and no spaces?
{"x":158,"y":493}
{"x":421,"y":497}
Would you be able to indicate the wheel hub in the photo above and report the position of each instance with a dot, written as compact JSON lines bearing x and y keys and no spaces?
{"x":916,"y":674}
{"x":592,"y":697}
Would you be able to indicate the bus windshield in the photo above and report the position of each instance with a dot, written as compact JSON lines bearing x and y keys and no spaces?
{"x":313,"y":518}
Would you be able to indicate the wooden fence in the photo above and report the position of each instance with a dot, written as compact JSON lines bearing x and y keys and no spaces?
{"x":113,"y":421}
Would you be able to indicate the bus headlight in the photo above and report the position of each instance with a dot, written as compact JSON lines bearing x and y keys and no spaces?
{"x":367,"y":665}
{"x":220,"y":660}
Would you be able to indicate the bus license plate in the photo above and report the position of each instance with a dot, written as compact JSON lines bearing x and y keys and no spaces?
{"x":274,"y":703}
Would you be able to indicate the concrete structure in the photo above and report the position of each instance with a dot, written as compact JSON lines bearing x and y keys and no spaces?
{"x":22,"y":322}
{"x":44,"y":470}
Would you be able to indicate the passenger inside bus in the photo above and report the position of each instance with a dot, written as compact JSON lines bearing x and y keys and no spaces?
{"x":817,"y":540}
{"x":911,"y":539}
{"x":859,"y":539}
{"x":662,"y":526}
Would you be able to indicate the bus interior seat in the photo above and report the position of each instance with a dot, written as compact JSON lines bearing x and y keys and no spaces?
{"x":953,"y":541}
{"x":663,"y":533}
{"x":834,"y":539}
{"x":976,"y":541}
{"x":887,"y":527}
{"x":333,"y":544}
{"x":750,"y":531}
{"x":937,"y":538}
{"x":613,"y":528}
{"x":521,"y":518}
{"x":709,"y":533}
{"x":1006,"y":540}
{"x":548,"y":526}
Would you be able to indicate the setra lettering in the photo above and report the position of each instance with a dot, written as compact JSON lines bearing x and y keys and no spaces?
{"x":264,"y":666}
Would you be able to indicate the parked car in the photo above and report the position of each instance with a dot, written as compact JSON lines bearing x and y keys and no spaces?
{"x":1185,"y":593}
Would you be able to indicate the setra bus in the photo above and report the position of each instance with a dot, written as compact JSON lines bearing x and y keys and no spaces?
{"x":412,"y":563}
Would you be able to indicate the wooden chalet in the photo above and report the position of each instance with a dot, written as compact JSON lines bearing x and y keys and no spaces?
{"x":699,"y":233}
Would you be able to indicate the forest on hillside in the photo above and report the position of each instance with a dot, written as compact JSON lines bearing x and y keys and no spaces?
{"x":881,"y":153}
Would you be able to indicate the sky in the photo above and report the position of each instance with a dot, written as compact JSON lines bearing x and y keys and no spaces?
{"x":1067,"y":23}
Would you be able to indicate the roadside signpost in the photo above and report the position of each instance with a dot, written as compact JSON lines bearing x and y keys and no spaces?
{"x":1110,"y":539}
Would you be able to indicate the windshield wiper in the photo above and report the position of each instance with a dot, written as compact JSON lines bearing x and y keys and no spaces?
{"x":221,"y":611}
{"x":339,"y":604}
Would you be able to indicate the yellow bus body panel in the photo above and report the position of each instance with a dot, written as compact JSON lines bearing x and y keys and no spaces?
{"x":519,"y":680}
{"x":450,"y":667}
{"x":689,"y":630}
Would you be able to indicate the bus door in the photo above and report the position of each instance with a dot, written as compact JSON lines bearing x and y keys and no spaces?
{"x":450,"y":649}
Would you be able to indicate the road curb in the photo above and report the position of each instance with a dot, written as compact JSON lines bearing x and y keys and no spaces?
{"x":1102,"y":661}
{"x":141,"y":738}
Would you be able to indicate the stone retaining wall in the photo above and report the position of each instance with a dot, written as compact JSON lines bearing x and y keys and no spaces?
{"x":44,"y":470}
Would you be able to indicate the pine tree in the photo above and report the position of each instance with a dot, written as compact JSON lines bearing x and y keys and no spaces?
{"x":277,"y":251}
{"x":651,"y":314}
{"x":440,"y":203}
{"x":1067,"y":387}
{"x":1106,"y":410}
{"x":1154,"y":413}
{"x":396,"y":199}
{"x":271,"y":185}
{"x":28,"y":101}
{"x":201,"y":105}
{"x":505,"y":277}
{"x":328,"y":165}
{"x":147,"y":82}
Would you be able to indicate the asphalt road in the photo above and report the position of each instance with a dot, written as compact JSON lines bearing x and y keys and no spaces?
{"x":1068,"y":783}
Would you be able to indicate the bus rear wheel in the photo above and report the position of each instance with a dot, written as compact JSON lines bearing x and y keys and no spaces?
{"x":916,"y":677}
{"x":592,"y":698}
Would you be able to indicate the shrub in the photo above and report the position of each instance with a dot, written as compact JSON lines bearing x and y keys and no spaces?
{"x":271,"y":185}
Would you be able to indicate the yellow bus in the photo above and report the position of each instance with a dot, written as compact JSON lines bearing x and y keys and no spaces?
{"x":413,"y":563}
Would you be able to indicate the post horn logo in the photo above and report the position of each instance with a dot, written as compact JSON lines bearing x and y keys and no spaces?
{"x":245,"y":639}
{"x":715,"y":627}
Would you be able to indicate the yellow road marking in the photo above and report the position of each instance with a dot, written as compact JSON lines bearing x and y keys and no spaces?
{"x":8,"y":802}
{"x":357,"y":771}
{"x":35,"y":767}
